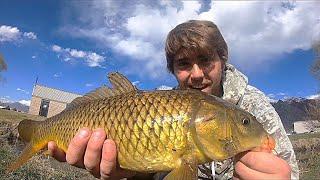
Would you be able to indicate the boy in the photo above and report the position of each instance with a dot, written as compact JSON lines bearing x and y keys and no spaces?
{"x":197,"y":56}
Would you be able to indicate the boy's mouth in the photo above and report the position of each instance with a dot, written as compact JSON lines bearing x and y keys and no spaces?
{"x":201,"y":87}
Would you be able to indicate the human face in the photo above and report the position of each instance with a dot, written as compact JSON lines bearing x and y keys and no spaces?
{"x":199,"y":71}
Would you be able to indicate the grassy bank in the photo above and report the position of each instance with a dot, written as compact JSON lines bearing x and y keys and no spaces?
{"x":307,"y":149}
{"x":40,"y":166}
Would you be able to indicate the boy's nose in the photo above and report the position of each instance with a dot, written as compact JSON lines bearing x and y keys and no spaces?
{"x":196,"y":73}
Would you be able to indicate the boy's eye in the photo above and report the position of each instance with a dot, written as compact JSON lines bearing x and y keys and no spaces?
{"x":204,"y":59}
{"x":183,"y":63}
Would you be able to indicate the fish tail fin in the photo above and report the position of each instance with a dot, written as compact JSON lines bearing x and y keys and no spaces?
{"x":26,"y":154}
{"x":27,"y":131}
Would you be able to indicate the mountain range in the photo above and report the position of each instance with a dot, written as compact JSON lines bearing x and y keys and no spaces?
{"x":18,"y":106}
{"x":297,"y":109}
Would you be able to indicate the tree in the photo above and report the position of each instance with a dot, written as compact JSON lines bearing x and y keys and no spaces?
{"x":315,"y":68}
{"x":3,"y":66}
{"x":315,"y":71}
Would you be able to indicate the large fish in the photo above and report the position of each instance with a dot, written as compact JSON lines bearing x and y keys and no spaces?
{"x":154,"y":131}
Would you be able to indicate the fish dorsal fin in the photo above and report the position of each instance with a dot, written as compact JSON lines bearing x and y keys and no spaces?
{"x":119,"y":83}
{"x":99,"y":93}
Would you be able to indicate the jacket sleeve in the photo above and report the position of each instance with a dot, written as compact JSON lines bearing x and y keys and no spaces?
{"x":255,"y":102}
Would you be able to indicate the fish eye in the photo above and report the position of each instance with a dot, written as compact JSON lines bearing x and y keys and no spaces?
{"x":246,"y":121}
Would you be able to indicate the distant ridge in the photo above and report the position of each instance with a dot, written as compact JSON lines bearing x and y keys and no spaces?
{"x":16,"y":105}
{"x":297,"y":109}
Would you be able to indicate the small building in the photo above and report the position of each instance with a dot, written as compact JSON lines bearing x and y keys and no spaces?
{"x":48,"y":102}
{"x":306,"y":126}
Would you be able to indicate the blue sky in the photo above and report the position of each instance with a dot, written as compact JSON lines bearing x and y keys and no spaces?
{"x":72,"y":45}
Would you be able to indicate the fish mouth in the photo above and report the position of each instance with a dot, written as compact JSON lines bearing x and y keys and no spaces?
{"x":267,"y":144}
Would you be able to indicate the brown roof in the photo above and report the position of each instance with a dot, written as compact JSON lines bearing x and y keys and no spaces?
{"x":53,"y":94}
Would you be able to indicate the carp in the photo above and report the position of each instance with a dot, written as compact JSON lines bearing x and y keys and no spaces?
{"x":154,"y":131}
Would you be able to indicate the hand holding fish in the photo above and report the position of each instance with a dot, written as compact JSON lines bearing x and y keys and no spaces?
{"x":260,"y":165}
{"x":91,"y":151}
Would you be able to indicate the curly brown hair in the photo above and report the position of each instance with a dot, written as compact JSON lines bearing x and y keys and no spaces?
{"x":195,"y":35}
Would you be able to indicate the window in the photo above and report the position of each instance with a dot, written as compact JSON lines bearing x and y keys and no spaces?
{"x":44,"y":107}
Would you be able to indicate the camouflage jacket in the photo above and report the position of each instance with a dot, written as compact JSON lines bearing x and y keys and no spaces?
{"x":237,"y":91}
{"x":249,"y":98}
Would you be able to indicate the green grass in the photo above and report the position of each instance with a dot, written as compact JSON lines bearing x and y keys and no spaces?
{"x":14,"y":117}
{"x":307,"y":149}
{"x":313,"y":171}
{"x":304,"y":136}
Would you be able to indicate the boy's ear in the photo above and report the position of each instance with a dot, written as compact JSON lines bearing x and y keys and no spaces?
{"x":223,"y":54}
{"x":223,"y":65}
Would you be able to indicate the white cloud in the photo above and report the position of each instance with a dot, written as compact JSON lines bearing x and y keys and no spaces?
{"x":9,"y":33}
{"x":57,"y":75}
{"x":77,"y":54}
{"x":22,"y":90}
{"x":164,"y":87}
{"x":30,"y":35}
{"x":89,"y":85}
{"x":269,"y":28}
{"x":277,"y":96}
{"x":56,"y":48}
{"x":33,"y":57}
{"x":135,"y":83}
{"x":271,"y":95}
{"x":25,"y":102}
{"x":282,"y":94}
{"x":13,"y":34}
{"x":66,"y":59}
{"x":315,"y":96}
{"x":5,"y":99}
{"x":256,"y":32}
{"x":271,"y":98}
{"x":92,"y":59}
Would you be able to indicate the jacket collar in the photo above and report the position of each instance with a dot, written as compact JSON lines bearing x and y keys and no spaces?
{"x":234,"y":84}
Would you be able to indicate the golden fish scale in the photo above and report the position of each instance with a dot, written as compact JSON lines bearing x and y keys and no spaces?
{"x":150,"y":129}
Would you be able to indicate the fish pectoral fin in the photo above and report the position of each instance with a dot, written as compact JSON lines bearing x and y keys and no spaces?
{"x":187,"y":170}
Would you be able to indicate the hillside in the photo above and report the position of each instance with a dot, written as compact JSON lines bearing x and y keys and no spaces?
{"x":16,"y":105}
{"x":297,"y":109}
